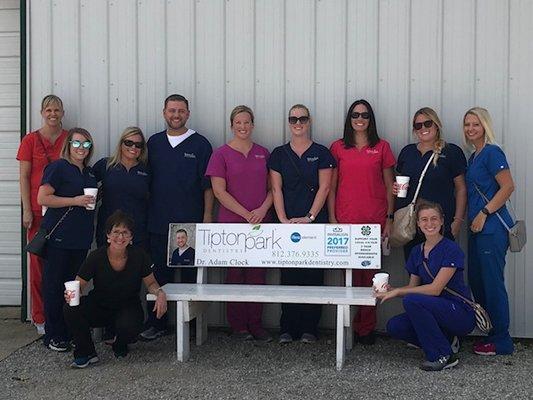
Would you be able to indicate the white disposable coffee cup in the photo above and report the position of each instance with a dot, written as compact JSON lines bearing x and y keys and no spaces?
{"x":91,"y":192}
{"x":403,"y":184}
{"x":73,"y":292}
{"x":43,"y":210}
{"x":380,"y":282}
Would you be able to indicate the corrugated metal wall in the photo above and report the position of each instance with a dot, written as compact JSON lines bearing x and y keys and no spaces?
{"x":113,"y":62}
{"x":10,"y":230}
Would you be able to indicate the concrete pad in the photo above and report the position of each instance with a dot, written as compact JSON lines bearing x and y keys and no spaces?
{"x":13,"y":333}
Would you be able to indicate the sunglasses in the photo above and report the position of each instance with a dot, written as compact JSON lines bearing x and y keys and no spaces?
{"x":426,"y":124}
{"x":303,"y":120}
{"x":364,"y":115}
{"x":130,"y":143}
{"x":85,"y":145}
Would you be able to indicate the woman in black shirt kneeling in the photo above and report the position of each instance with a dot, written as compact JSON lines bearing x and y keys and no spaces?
{"x":116,"y":271}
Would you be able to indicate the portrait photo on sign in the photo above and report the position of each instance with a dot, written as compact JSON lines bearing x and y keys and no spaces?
{"x":181,"y":242}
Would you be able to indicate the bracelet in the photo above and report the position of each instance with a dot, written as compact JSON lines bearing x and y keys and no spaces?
{"x":458,"y":219}
{"x":310,"y":217}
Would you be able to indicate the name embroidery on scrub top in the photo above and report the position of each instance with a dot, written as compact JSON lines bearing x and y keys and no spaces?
{"x":189,"y":155}
{"x":312,"y":159}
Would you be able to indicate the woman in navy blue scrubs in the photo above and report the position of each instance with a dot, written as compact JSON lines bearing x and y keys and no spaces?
{"x":444,"y":182}
{"x":62,"y":190}
{"x":300,"y":173}
{"x":488,"y":242}
{"x":125,"y":183}
{"x":432,"y":316}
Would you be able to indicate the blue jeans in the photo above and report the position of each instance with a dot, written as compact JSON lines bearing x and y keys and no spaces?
{"x":486,"y":264}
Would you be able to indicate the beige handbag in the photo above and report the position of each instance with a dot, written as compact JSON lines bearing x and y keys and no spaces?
{"x":404,"y":225}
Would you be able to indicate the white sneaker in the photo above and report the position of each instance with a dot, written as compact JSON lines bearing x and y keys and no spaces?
{"x":455,"y":345}
{"x":40,"y":329}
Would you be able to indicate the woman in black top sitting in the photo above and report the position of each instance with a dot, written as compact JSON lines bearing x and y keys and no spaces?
{"x":116,"y":271}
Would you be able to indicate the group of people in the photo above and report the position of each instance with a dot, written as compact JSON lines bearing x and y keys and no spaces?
{"x":174,"y":177}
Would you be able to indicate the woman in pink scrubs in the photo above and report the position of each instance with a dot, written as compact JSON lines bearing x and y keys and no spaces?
{"x":361,"y":192}
{"x":239,"y":176}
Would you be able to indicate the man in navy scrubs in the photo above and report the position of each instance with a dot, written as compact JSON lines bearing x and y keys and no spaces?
{"x":179,"y":192}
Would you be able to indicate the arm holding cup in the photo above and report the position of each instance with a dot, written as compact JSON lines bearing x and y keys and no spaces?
{"x":46,"y":197}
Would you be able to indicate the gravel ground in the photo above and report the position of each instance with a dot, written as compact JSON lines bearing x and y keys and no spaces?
{"x":226,"y":369}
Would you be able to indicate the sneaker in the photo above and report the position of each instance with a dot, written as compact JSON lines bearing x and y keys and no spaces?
{"x":412,"y":346}
{"x":368,"y":340}
{"x":308,"y":338}
{"x":485,"y":349}
{"x":443,"y":362}
{"x":60,"y":346}
{"x":242,"y":335}
{"x":120,"y":351}
{"x":285,"y":338}
{"x":151,"y":333}
{"x":40,"y":329}
{"x":262,"y":336}
{"x":110,"y":340}
{"x":82,"y":362}
{"x":109,"y":336}
{"x":455,"y":345}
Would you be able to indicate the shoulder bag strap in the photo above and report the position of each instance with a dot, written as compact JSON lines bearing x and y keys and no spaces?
{"x":58,"y":222}
{"x":466,"y":300}
{"x":43,"y":146}
{"x":497,"y":213}
{"x":422,"y":178}
{"x":311,"y":188}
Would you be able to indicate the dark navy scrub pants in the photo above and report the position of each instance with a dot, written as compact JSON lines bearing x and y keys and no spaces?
{"x":430,"y":322}
{"x":486,"y":264}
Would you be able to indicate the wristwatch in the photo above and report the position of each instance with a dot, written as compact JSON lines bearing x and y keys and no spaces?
{"x":310,"y":216}
{"x":390,"y":216}
{"x":485,"y":211}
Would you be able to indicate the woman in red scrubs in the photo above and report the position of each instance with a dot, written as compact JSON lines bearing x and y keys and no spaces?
{"x":361,"y":192}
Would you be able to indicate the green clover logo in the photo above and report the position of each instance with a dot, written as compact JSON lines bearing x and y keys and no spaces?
{"x":365,"y":230}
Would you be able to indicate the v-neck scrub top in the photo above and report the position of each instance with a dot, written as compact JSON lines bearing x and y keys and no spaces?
{"x":246,"y":177}
{"x":76,"y":230}
{"x":361,"y":193}
{"x":297,"y":184}
{"x":438,"y":185}
{"x":178,"y":180}
{"x":482,"y":171}
{"x":124,"y":190}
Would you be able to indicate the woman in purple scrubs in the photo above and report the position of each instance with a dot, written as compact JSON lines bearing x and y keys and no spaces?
{"x":239,"y":176}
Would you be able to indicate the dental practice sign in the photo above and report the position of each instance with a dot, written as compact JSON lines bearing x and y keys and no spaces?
{"x":288,"y":245}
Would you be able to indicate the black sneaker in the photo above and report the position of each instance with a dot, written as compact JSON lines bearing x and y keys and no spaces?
{"x":120,"y":351}
{"x":367,"y":340}
{"x":443,"y":362}
{"x":60,"y":346}
{"x":151,"y":333}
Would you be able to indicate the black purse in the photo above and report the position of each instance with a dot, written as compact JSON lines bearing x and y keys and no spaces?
{"x":37,"y":245}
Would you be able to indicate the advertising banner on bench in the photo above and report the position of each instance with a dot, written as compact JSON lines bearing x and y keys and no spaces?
{"x":276,"y":245}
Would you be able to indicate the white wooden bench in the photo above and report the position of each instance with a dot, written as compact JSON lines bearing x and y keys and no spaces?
{"x":193,"y":299}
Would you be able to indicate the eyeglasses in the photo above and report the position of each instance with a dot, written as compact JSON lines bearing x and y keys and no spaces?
{"x":85,"y":145}
{"x":427,"y":124}
{"x":130,"y":143}
{"x":303,"y":120}
{"x":124,"y":234}
{"x":364,"y":115}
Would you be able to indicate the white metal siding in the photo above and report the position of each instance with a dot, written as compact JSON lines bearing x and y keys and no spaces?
{"x":10,"y":258}
{"x":113,"y":62}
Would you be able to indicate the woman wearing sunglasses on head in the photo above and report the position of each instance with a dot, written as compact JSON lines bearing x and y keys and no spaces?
{"x":70,"y":215}
{"x":125,"y":181}
{"x":36,"y":151}
{"x":490,"y":184}
{"x":300,"y":174}
{"x":239,"y":176}
{"x":361,"y":192}
{"x":444,"y":180}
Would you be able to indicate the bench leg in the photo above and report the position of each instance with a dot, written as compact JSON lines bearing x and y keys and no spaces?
{"x":340,"y":337}
{"x":348,"y":327}
{"x":182,"y":334}
{"x":201,"y":328}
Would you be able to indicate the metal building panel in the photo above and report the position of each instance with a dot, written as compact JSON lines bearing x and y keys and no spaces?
{"x":9,"y":119}
{"x":458,"y":66}
{"x":9,"y":195}
{"x":9,"y":44}
{"x":270,"y":108}
{"x":9,"y":20}
{"x":330,"y":61}
{"x":7,"y":4}
{"x":393,"y":67}
{"x":152,"y":88}
{"x":240,"y":59}
{"x":94,"y":76}
{"x":492,"y":58}
{"x":10,"y":292}
{"x":9,"y":70}
{"x":362,"y":49}
{"x":425,"y":55}
{"x":7,"y":261}
{"x":123,"y":65}
{"x":9,"y":95}
{"x":40,"y":58}
{"x":210,"y":109}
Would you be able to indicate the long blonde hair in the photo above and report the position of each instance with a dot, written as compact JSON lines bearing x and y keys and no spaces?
{"x":439,"y":143}
{"x":130,"y":131}
{"x":486,"y":122}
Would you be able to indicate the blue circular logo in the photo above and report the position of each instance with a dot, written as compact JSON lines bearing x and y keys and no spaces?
{"x":296,"y":237}
{"x":365,"y":263}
